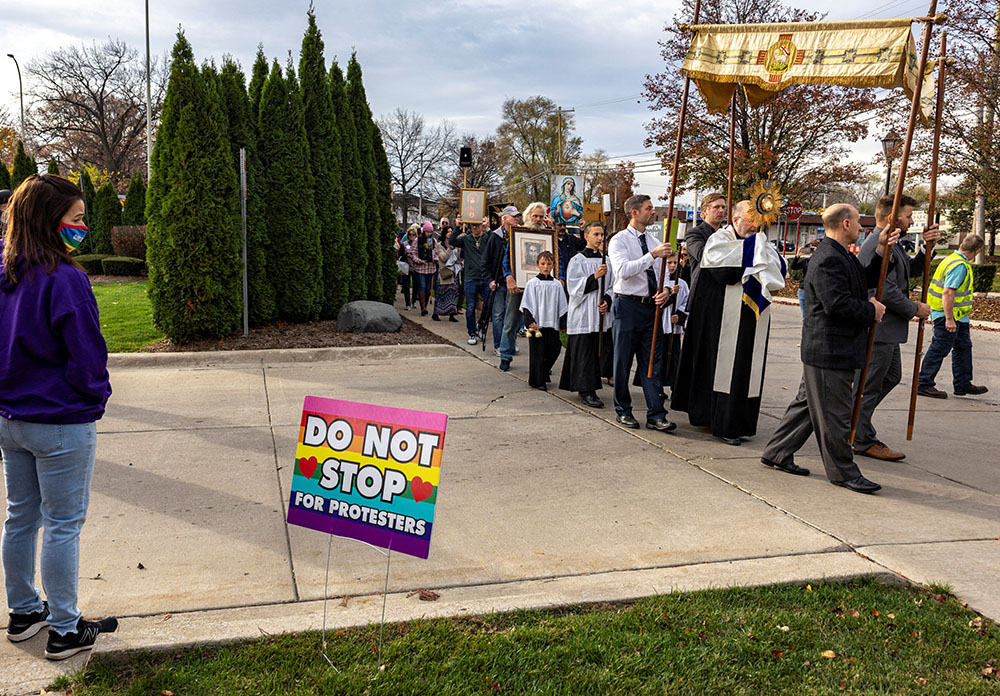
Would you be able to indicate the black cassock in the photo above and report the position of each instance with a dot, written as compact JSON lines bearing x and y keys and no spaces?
{"x":721,"y":374}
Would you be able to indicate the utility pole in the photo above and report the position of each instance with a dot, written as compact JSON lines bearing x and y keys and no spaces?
{"x":560,"y":111}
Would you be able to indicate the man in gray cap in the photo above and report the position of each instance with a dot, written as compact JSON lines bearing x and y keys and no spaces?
{"x":493,"y":269}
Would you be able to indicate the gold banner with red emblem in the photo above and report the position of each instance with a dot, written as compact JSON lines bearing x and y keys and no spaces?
{"x":767,"y":58}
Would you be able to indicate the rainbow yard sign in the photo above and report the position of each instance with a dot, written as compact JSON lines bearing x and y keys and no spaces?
{"x":368,"y":472}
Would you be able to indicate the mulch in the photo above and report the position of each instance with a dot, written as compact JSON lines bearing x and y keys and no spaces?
{"x":315,"y":334}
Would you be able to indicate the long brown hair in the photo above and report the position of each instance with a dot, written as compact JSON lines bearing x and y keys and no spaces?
{"x":34,"y":215}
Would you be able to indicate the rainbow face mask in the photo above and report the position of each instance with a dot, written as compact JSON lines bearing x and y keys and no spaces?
{"x":72,"y":235}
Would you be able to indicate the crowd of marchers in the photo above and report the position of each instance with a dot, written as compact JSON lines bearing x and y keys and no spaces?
{"x":691,"y":326}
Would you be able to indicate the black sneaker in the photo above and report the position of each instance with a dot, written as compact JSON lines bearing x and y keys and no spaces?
{"x":24,"y":626}
{"x":83,"y":638}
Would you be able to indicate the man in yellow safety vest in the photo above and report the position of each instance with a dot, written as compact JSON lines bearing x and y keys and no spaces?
{"x":950,"y":298}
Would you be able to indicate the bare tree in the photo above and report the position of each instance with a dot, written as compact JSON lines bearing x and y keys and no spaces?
{"x":420,"y":157}
{"x":88,"y":105}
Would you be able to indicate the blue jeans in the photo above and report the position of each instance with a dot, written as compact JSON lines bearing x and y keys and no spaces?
{"x":499,"y":312}
{"x":959,"y":344}
{"x":423,"y":282}
{"x":802,"y":301}
{"x":512,"y":321}
{"x":47,"y":469}
{"x":474,"y":289}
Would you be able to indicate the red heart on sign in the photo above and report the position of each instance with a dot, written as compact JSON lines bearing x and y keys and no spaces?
{"x":308,"y":466}
{"x":421,"y":489}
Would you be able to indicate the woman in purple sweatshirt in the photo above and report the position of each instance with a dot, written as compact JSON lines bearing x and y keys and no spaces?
{"x":53,"y":389}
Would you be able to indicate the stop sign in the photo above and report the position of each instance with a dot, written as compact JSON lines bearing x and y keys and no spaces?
{"x":793,"y":211}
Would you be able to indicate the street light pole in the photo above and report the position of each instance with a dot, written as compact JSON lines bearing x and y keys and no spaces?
{"x":20,"y":88}
{"x":890,"y":143}
{"x":149,"y":107}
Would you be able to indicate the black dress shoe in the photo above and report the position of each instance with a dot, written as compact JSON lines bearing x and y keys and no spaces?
{"x":734,"y":441}
{"x":858,"y":485}
{"x":592,"y":401}
{"x":540,"y":387}
{"x":661,"y":424}
{"x":627,"y":421}
{"x":788,"y":468}
{"x":971,"y":389}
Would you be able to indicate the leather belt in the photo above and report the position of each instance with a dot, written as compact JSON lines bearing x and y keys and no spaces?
{"x":638,"y":298}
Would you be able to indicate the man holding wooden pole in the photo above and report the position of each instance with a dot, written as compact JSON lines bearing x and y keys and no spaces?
{"x":886,"y":368}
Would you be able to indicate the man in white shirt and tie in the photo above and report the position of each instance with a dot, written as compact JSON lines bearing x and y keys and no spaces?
{"x":632,"y":254}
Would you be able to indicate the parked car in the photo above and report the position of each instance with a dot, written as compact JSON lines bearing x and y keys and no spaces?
{"x":783,"y":245}
{"x":908,"y":245}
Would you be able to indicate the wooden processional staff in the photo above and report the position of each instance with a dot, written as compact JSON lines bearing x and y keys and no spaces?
{"x":928,"y":251}
{"x":673,"y":192}
{"x":929,"y":22}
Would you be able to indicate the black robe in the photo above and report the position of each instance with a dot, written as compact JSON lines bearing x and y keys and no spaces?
{"x":732,"y":414}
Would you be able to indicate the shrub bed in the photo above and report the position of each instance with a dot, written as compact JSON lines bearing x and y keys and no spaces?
{"x":91,"y":263}
{"x":123,"y":266}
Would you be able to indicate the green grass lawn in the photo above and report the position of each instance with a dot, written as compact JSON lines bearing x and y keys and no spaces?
{"x":126,"y":317}
{"x":855,"y":637}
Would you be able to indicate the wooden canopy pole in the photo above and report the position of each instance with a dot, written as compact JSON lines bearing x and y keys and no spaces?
{"x":891,"y":222}
{"x":928,"y":251}
{"x":673,"y":192}
{"x":732,"y":156}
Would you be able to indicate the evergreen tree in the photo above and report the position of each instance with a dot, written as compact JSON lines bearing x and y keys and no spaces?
{"x":324,"y":151}
{"x":4,"y":177}
{"x":89,"y":203}
{"x":24,"y":167}
{"x":387,"y":227}
{"x":53,"y":166}
{"x":134,"y":212}
{"x":192,"y":229}
{"x":294,"y":260}
{"x":258,"y":75}
{"x":362,"y":115}
{"x":351,"y":183}
{"x":242,"y":134}
{"x":107,"y":214}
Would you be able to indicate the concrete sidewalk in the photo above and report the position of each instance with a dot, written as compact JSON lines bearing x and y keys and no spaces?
{"x":542,"y":501}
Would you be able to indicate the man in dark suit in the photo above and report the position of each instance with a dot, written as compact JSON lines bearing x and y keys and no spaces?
{"x":713,"y":214}
{"x":838,"y":314}
{"x":885,"y":367}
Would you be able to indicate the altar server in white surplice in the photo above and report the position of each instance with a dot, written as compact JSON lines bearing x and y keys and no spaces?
{"x":544,"y":310}
{"x":589,"y":358}
{"x":725,"y":344}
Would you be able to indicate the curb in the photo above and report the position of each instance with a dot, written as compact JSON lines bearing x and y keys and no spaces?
{"x":125,"y":361}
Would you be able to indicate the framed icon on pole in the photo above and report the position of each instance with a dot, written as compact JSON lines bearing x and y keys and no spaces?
{"x":525,"y":246}
{"x":472,"y":209}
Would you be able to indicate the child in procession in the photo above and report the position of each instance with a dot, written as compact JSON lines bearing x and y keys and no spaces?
{"x":544,"y":308}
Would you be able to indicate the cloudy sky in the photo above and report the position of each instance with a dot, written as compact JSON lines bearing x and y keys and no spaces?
{"x":447,"y":59}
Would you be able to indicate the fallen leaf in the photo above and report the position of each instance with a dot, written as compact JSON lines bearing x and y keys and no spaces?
{"x":777,"y":653}
{"x":828,"y":654}
{"x":166,"y":693}
{"x":141,"y":567}
{"x":891,"y":616}
{"x":428,"y":595}
{"x":343,"y":602}
{"x":809,"y":588}
{"x":875,"y":612}
{"x":784,"y":628}
{"x":854,"y":612}
{"x":166,"y":617}
{"x":922,"y":681}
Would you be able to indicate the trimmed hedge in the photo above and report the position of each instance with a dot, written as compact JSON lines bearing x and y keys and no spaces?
{"x":982,"y":277}
{"x":123,"y":266}
{"x":91,"y":263}
{"x":129,"y":241}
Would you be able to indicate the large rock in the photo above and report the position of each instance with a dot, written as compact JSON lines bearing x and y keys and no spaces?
{"x":365,"y":315}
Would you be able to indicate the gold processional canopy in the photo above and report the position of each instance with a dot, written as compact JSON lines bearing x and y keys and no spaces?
{"x":767,"y":58}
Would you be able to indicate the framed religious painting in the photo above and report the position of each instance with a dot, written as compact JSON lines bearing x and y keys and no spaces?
{"x":472,"y":209}
{"x":526,"y":244}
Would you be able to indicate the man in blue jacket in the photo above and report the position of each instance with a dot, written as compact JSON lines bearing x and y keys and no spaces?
{"x":838,"y":314}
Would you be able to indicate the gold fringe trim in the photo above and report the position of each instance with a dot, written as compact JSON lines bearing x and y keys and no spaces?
{"x":806,"y":26}
{"x":873,"y":81}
